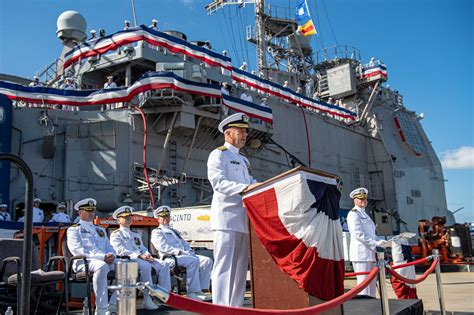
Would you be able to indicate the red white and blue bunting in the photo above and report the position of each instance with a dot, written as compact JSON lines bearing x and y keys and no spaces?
{"x":149,"y":81}
{"x":248,"y":108}
{"x":289,"y":95}
{"x":377,"y":70}
{"x":155,"y":38}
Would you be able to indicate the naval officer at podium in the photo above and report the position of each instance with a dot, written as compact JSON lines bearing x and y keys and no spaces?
{"x":228,"y":171}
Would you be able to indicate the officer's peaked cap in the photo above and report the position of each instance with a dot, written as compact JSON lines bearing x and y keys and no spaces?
{"x":123,"y":211}
{"x":162,"y":211}
{"x":359,"y":193}
{"x":87,"y":204}
{"x":239,"y":120}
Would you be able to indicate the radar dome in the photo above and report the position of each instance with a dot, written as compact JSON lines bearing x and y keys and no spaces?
{"x":71,"y":28}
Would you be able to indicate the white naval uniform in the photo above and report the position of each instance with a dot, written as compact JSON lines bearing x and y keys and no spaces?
{"x":60,"y":217}
{"x":5,"y":216}
{"x":362,"y":246}
{"x":90,"y":240}
{"x":168,"y":241}
{"x":129,"y":243}
{"x":229,"y":174}
{"x":38,"y":216}
{"x":111,"y":85}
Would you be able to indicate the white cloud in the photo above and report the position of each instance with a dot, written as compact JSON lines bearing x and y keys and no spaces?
{"x":187,"y":2}
{"x":462,"y":158}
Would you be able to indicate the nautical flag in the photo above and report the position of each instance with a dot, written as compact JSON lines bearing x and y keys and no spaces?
{"x":307,"y":29}
{"x":302,"y":12}
{"x":296,"y":217}
{"x":306,"y":26}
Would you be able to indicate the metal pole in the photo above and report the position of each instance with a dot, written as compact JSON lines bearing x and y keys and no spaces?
{"x":134,"y":13}
{"x":383,"y":288}
{"x":439,"y":283}
{"x":126,"y":274}
{"x":23,"y":306}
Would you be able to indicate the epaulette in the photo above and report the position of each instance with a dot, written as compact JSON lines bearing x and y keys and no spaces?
{"x":355,"y":210}
{"x":75,"y":225}
{"x":222,"y":148}
{"x":115,"y":231}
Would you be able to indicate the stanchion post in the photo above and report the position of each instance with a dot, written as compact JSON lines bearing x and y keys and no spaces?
{"x":439,"y":283}
{"x":126,"y":272}
{"x":383,"y":287}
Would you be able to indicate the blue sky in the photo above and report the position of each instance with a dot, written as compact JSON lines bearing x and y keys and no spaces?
{"x":427,"y":46}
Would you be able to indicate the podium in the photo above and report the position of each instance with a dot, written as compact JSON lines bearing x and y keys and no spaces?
{"x":273,"y":289}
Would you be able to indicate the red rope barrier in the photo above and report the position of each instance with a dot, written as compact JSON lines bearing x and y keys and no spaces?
{"x":415,"y":262}
{"x":353,"y":274}
{"x":183,"y":303}
{"x":417,"y":280}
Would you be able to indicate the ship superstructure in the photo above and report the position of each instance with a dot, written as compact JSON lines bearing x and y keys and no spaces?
{"x":98,"y":151}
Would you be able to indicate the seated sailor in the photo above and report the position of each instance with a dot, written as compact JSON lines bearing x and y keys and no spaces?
{"x":129,"y":243}
{"x":168,"y":241}
{"x":91,"y":240}
{"x":60,"y":215}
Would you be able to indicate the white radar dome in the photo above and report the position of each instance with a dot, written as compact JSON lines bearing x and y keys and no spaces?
{"x":71,"y":28}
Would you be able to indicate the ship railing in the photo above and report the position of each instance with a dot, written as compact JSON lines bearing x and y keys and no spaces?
{"x":284,"y":13}
{"x":337,"y":52}
{"x":50,"y":73}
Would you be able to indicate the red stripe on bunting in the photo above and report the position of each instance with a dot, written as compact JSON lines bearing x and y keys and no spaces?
{"x":320,"y":277}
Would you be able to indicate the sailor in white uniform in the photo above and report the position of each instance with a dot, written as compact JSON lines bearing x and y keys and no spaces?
{"x":126,"y":25}
{"x":91,"y":240}
{"x":154,"y":25}
{"x":363,"y":244}
{"x":38,"y":214}
{"x":59,"y":215}
{"x":36,"y":82}
{"x":4,"y":215}
{"x":129,"y":243}
{"x":110,"y":84}
{"x":229,"y":173}
{"x":169,"y":241}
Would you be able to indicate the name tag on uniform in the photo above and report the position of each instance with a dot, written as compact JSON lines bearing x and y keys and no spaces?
{"x":84,"y":231}
{"x":235,"y":162}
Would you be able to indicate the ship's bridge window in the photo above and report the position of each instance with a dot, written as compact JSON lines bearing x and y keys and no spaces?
{"x":409,"y":132}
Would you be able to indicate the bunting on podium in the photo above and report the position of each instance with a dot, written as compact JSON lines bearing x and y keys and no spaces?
{"x":296,"y":217}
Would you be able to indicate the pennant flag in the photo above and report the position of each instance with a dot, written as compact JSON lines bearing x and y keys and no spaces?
{"x":296,"y":217}
{"x":307,"y":29}
{"x":306,"y":26}
{"x":248,"y":108}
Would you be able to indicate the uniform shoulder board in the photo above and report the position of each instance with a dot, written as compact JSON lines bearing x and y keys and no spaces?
{"x":115,"y":231}
{"x":222,"y":148}
{"x":354,"y":210}
{"x":75,"y":225}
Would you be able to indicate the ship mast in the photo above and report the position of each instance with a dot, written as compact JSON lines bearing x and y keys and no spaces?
{"x":261,"y":47}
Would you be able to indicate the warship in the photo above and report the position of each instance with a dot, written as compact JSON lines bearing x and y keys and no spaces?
{"x":147,"y":141}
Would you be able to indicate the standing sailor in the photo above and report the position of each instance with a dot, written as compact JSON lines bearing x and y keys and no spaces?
{"x":60,"y":215}
{"x":154,"y":25}
{"x":363,"y":239}
{"x":4,"y":215}
{"x":91,"y":241}
{"x":229,"y":173}
{"x":38,"y":214}
{"x":129,"y":243}
{"x":110,"y":84}
{"x":126,"y":25}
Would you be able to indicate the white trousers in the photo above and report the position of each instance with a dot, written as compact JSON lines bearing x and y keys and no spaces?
{"x":198,"y":271}
{"x":362,"y":266}
{"x":229,"y":276}
{"x":162,"y":270}
{"x":99,"y":282}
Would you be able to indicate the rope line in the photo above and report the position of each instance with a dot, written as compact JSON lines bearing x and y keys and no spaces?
{"x":417,"y":280}
{"x":415,"y":262}
{"x":186,"y":304}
